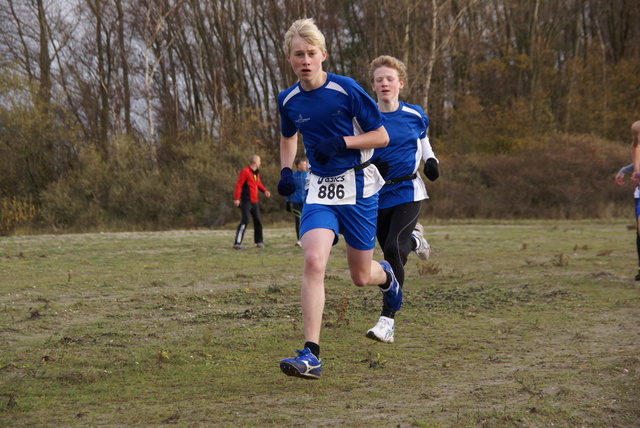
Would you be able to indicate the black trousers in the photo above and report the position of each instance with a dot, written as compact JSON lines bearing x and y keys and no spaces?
{"x":395,"y":225}
{"x":253,"y":209}
{"x":297,"y":214}
{"x":635,"y":209}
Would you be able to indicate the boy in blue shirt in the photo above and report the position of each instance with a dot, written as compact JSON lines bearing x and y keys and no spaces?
{"x":399,"y":232}
{"x":340,"y":125}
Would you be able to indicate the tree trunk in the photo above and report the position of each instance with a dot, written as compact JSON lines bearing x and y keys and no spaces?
{"x":44,"y":60}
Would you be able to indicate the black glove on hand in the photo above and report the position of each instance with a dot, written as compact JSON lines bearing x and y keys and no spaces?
{"x":286,"y":186}
{"x":287,"y":207}
{"x":327,"y":149}
{"x":431,"y":169}
{"x":383,"y":167}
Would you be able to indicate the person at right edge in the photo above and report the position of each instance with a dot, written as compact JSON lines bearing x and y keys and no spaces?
{"x":635,"y":176}
{"x":400,"y":198}
{"x":636,"y":195}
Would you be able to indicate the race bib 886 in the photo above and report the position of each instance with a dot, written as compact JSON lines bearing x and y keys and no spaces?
{"x":336,"y":190}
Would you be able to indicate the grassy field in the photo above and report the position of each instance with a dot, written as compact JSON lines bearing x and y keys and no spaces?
{"x":518,"y":324}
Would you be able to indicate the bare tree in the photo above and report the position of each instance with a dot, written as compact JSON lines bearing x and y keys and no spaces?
{"x":155,"y":49}
{"x":435,"y":48}
{"x":124,"y":60}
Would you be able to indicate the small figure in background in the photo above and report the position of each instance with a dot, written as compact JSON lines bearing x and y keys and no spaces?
{"x":295,"y":202}
{"x":246,"y":197}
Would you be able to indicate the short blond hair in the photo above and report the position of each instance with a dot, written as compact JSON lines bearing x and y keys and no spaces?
{"x":307,"y":30}
{"x":391,"y":62}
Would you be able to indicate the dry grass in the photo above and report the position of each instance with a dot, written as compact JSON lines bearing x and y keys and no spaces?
{"x":526,"y":324}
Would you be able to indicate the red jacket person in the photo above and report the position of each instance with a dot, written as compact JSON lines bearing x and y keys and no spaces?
{"x":246,"y":197}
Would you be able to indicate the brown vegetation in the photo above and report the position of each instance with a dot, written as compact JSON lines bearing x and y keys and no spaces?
{"x":127,"y":114}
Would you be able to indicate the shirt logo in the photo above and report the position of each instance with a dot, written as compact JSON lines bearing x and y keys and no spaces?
{"x":301,"y":119}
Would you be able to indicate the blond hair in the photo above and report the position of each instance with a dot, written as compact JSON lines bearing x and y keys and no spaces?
{"x":391,"y":62}
{"x":307,"y":30}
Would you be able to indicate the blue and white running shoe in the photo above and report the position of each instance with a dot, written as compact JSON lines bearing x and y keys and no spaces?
{"x":305,"y":365}
{"x":392,"y":296}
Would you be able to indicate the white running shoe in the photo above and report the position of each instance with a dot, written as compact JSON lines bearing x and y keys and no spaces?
{"x":298,"y":243}
{"x":383,"y":331}
{"x":424,"y":249}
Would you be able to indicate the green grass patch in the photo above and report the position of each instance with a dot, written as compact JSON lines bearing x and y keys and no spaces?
{"x":523,"y":324}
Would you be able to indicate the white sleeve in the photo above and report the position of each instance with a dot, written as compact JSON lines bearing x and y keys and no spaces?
{"x":427,"y":150}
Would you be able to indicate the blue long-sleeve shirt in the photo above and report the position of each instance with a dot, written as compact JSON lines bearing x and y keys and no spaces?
{"x":300,"y":180}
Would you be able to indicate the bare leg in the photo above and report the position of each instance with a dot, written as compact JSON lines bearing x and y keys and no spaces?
{"x":364,"y":270}
{"x":316,"y":246}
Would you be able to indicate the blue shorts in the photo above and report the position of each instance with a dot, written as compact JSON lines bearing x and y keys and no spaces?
{"x":638,"y":207}
{"x":357,"y":223}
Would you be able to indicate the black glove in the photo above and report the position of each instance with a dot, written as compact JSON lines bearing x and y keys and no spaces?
{"x":431,"y":169}
{"x":287,"y":206}
{"x":383,"y":167}
{"x":326,"y":149}
{"x":286,"y":186}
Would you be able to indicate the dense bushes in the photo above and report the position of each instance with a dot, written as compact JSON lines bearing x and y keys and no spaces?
{"x":561,"y":176}
{"x":494,"y":171}
{"x":193,"y":187}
